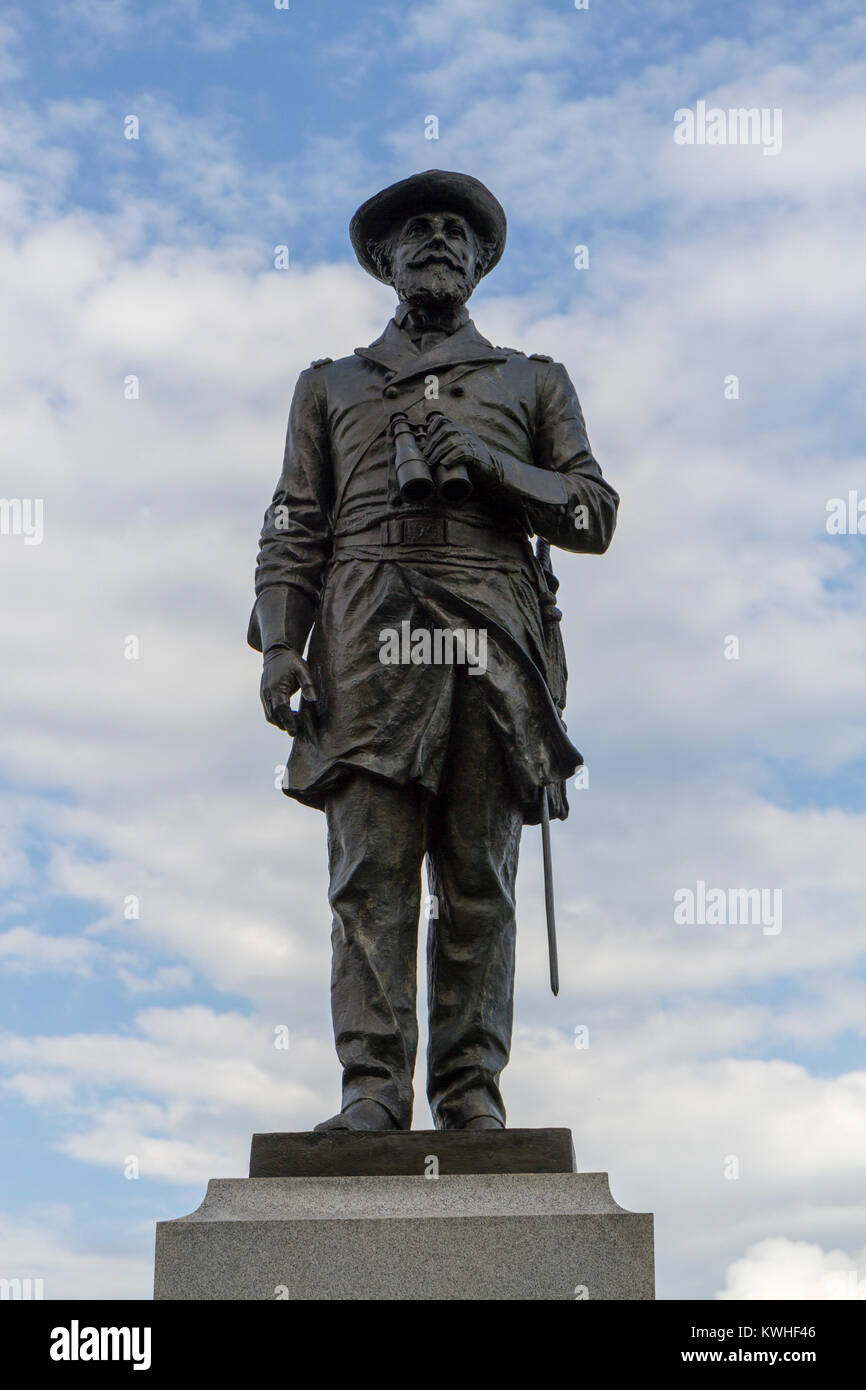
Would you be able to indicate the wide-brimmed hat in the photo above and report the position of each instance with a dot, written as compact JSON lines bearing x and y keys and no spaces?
{"x":434,"y":190}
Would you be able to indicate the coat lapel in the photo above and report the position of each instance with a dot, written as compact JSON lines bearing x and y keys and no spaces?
{"x":395,"y":351}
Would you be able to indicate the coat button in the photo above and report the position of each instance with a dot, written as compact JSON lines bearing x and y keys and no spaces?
{"x":389,"y":376}
{"x":390,"y":392}
{"x":458,"y":390}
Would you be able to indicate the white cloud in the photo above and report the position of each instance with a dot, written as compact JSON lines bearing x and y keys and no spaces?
{"x":25,"y":950}
{"x":795,"y":1269}
{"x":558,"y":145}
{"x":92,"y":28}
{"x":46,"y":1245}
{"x":183,"y":1095}
{"x":12,"y":26}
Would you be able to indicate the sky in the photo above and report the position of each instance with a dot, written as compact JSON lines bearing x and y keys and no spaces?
{"x":164,"y":908}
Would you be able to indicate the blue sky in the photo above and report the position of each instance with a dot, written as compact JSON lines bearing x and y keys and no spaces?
{"x":153,"y":1037}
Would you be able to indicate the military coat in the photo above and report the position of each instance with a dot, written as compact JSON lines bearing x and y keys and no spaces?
{"x":338,"y":481}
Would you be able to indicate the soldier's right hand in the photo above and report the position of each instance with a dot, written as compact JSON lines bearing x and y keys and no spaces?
{"x":284,"y":673}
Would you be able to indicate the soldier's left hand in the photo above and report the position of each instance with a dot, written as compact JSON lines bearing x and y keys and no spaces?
{"x":447,"y":442}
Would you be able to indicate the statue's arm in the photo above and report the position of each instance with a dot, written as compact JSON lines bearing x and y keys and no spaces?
{"x":562,"y":493}
{"x":296,"y":537}
{"x":582,"y":515}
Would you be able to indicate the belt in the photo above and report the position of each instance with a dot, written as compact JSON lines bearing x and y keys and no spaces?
{"x":438,"y":530}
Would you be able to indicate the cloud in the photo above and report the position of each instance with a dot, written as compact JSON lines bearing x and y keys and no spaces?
{"x":12,"y":31}
{"x":795,"y":1269}
{"x":578,"y":136}
{"x":45,"y":1245}
{"x":182,"y":1095}
{"x":26,"y":950}
{"x":93,"y":28}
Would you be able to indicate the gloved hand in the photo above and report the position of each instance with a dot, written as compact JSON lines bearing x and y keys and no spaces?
{"x":448,"y":443}
{"x":279,"y":627}
{"x":284,"y":673}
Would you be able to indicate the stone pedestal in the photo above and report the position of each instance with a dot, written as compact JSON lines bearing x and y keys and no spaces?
{"x":493,"y":1234}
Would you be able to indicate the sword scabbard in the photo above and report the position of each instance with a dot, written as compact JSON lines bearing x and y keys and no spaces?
{"x":548,"y":892}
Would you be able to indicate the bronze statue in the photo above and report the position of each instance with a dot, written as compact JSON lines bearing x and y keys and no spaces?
{"x":430,"y":722}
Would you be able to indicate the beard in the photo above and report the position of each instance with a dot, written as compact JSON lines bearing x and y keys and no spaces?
{"x":435,"y":285}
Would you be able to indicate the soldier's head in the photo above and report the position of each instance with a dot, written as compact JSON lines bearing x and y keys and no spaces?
{"x":432,"y":236}
{"x":433,"y":257}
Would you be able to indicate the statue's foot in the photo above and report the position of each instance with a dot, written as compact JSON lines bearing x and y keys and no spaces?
{"x":361,"y":1115}
{"x":483,"y":1122}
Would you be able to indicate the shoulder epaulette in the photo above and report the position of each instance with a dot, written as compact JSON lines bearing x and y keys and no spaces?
{"x":516,"y":351}
{"x":322,"y":362}
{"x":539,"y":357}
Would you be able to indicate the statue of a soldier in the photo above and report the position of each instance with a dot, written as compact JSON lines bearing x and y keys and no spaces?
{"x":432,"y":693}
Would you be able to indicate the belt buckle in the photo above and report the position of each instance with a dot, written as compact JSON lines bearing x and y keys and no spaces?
{"x":418,"y":530}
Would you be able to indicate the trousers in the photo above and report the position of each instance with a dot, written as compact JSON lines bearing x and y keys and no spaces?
{"x":378,"y":835}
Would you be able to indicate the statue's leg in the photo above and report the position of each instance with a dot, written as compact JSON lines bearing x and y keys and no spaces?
{"x":376,"y":837}
{"x":474,"y":842}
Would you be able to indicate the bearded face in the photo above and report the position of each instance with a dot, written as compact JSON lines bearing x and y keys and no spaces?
{"x":434,"y":260}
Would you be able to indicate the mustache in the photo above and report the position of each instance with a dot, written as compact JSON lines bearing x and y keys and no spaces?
{"x":425,"y":258}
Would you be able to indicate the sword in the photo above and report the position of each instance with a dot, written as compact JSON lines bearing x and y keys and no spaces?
{"x":542,"y":555}
{"x":548,"y":892}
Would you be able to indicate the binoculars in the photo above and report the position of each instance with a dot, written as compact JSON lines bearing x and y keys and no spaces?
{"x":414,"y":479}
